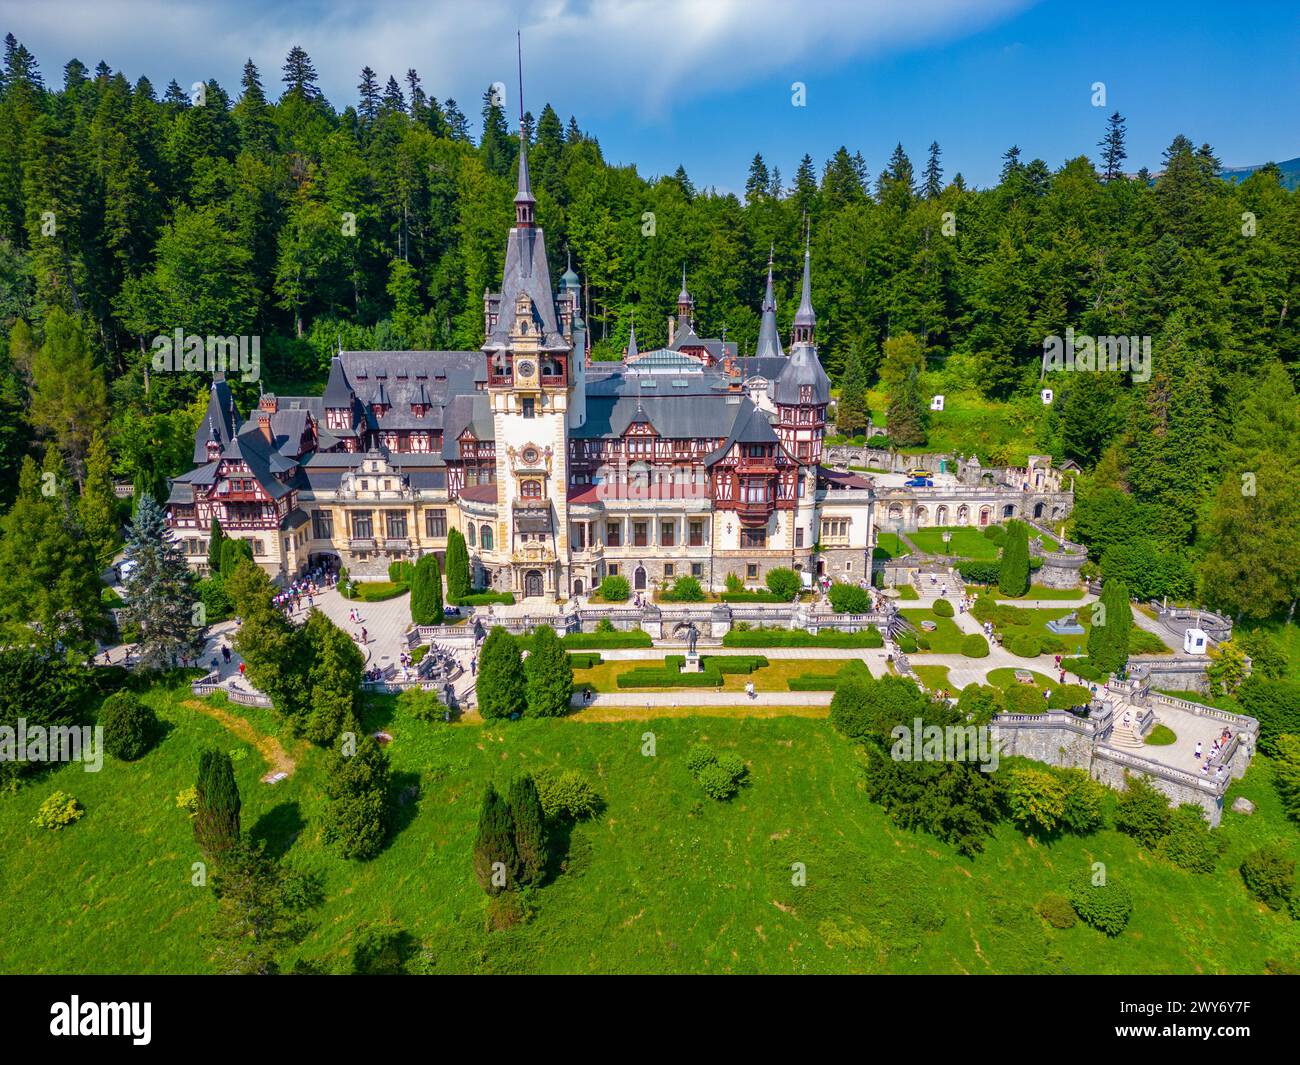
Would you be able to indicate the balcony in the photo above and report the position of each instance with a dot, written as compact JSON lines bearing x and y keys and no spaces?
{"x":361,"y":543}
{"x":752,"y":512}
{"x":398,"y":543}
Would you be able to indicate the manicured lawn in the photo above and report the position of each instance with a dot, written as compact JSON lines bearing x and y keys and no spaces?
{"x":888,"y":545}
{"x":907,"y":593}
{"x":971,"y":423}
{"x":666,"y":880}
{"x":1036,"y":591}
{"x":1161,"y":736}
{"x":945,"y":639}
{"x":1006,"y":677}
{"x":1033,"y":620}
{"x":769,"y":678}
{"x":933,"y":677}
{"x":965,"y":543}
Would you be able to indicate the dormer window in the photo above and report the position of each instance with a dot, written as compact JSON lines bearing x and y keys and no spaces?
{"x":805,"y":393}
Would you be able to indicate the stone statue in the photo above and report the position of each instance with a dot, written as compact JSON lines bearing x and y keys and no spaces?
{"x":692,"y":633}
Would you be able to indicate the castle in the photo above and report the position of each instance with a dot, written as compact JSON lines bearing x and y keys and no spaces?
{"x":687,"y":460}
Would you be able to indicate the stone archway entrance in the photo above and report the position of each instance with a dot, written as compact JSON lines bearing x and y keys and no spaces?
{"x":533,"y":584}
{"x":638,"y":579}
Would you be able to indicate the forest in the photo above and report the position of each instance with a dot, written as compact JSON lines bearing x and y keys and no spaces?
{"x":265,"y":210}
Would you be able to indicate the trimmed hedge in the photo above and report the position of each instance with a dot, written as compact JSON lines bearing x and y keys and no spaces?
{"x":1024,"y":646}
{"x":973,"y":645}
{"x":584,"y":660}
{"x":606,"y":640}
{"x":868,"y":637}
{"x":712,"y":669}
{"x":942,"y":608}
{"x":823,"y":682}
{"x":486,"y":599}
{"x":752,"y":597}
{"x":376,"y":591}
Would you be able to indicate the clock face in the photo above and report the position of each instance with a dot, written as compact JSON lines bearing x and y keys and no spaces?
{"x":530,"y":455}
{"x":526,"y":369}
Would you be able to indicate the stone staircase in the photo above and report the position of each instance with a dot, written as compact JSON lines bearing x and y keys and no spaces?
{"x":948,"y":582}
{"x":1126,"y":736}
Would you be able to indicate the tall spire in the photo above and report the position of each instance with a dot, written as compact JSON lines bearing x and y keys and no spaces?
{"x":631,"y":341}
{"x":805,"y":320}
{"x":685,"y":304}
{"x":524,"y":202}
{"x":769,"y":340}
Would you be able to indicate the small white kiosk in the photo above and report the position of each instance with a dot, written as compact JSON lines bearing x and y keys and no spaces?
{"x":1195,"y":641}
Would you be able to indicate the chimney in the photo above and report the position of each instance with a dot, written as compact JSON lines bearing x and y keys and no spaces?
{"x":672,"y":326}
{"x":264,"y":425}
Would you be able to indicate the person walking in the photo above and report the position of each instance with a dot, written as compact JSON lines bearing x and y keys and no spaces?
{"x":1197,"y":753}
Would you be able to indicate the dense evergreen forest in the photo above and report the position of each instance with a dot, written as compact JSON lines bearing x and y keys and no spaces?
{"x":266,"y":211}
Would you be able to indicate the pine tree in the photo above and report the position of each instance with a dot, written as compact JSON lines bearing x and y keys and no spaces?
{"x":255,"y":917}
{"x":216,"y":817}
{"x":1113,"y":153}
{"x":300,"y":75}
{"x":216,"y":542}
{"x":160,"y":594}
{"x":335,"y":675}
{"x":1013,"y":574}
{"x":549,"y":675}
{"x":501,"y":690}
{"x":529,"y":829}
{"x":276,"y":657}
{"x":496,"y":862}
{"x":496,"y":146}
{"x":97,"y":507}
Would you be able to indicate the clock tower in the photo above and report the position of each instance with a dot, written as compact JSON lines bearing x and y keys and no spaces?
{"x":529,"y":352}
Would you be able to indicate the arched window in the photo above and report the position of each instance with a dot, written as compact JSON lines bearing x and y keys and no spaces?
{"x":577,"y":586}
{"x":963,"y":514}
{"x":485,"y":537}
{"x":469,"y":534}
{"x":531,"y":489}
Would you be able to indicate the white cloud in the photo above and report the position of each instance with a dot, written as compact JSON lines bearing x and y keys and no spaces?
{"x":588,"y":57}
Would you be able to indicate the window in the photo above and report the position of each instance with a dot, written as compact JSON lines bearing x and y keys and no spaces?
{"x":612,"y":569}
{"x":435,"y":524}
{"x":753,"y":492}
{"x":803,"y":449}
{"x":697,"y":569}
{"x":322,"y":525}
{"x":469,"y":534}
{"x":362,"y":527}
{"x":697,"y":534}
{"x":668,"y":533}
{"x":485,"y":537}
{"x":614,"y":534}
{"x":669,"y":569}
{"x":396,"y":524}
{"x":753,"y":538}
{"x":365,"y":486}
{"x":751,"y":572}
{"x":579,"y":537}
{"x":848,"y":567}
{"x":530,"y":408}
{"x":531,"y":489}
{"x":259,"y":548}
{"x":640,"y":535}
{"x":798,"y":538}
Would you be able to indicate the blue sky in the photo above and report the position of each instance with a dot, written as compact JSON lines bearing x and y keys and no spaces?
{"x":706,"y":83}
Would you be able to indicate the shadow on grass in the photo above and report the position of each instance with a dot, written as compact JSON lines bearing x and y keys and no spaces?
{"x":278,"y":829}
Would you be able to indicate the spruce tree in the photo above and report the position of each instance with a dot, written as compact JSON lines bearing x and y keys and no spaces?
{"x":549,"y":675}
{"x":900,"y":373}
{"x":160,"y":594}
{"x":435,"y":590}
{"x":530,"y":830}
{"x":496,"y":862}
{"x":933,"y":173}
{"x":216,"y":817}
{"x":1112,"y":148}
{"x":501,"y":685}
{"x":1013,"y":575}
{"x":851,"y":410}
{"x":335,"y":674}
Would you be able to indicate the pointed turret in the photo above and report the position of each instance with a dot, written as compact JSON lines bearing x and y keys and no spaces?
{"x":685,"y":306}
{"x":805,"y":321}
{"x":631,"y":352}
{"x":525,"y":205}
{"x":769,"y":340}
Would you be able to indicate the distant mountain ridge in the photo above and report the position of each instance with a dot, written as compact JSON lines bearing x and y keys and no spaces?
{"x":1290,"y":172}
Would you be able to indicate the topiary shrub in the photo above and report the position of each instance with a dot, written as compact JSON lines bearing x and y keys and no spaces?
{"x":996,"y":533}
{"x":685,"y":589}
{"x":58,"y":809}
{"x":942,"y":608}
{"x":1024,"y":645}
{"x":1023,"y":699}
{"x":1106,"y":907}
{"x":1057,"y":911}
{"x":614,"y":589}
{"x":907,"y":644}
{"x":130,"y":726}
{"x":973,"y":645}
